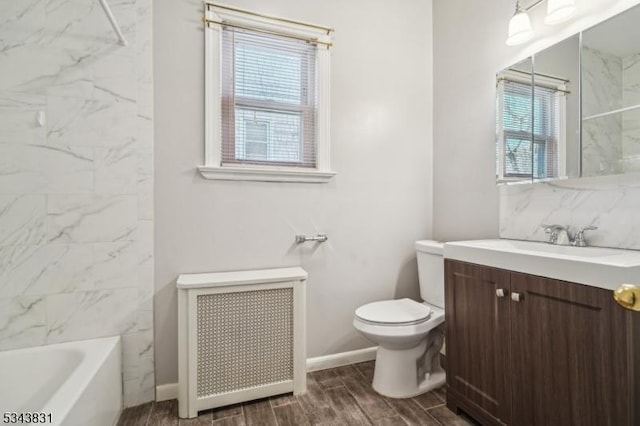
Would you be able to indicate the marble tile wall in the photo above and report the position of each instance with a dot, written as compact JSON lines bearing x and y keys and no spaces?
{"x":609,"y":202}
{"x":631,"y":119}
{"x":76,"y":190}
{"x":602,"y":148}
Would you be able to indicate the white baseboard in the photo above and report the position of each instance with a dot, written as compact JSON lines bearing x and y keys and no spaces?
{"x":170,"y":390}
{"x":166,"y":392}
{"x":343,"y":358}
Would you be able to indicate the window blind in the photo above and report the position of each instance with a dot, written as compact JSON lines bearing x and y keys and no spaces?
{"x":268,"y":99}
{"x":530,"y":130}
{"x":517,"y":121}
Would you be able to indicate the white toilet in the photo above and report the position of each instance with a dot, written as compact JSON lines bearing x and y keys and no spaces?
{"x":409,"y":334}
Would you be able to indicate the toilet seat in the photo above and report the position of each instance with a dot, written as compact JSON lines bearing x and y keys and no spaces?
{"x":394,"y":312}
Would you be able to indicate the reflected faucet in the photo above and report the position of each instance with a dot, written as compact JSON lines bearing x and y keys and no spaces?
{"x":561,"y":235}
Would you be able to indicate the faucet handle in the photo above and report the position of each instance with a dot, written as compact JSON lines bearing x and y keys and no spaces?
{"x":552,"y":230}
{"x":558,"y":234}
{"x":578,"y":239}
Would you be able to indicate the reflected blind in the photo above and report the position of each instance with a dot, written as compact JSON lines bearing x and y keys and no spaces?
{"x":530,"y":130}
{"x":268,"y":99}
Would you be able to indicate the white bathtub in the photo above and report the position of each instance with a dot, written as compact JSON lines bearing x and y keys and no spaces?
{"x":78,"y":383}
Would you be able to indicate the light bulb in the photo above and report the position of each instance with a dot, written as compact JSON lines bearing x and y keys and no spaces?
{"x":559,"y":11}
{"x":520,"y":29}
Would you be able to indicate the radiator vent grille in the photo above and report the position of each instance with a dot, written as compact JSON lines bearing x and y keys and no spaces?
{"x":245,"y":340}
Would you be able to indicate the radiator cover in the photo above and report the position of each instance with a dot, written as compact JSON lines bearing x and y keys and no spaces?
{"x":241,"y":336}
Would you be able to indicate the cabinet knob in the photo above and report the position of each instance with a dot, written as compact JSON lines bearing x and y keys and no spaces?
{"x":516,"y":297}
{"x":500,"y":292}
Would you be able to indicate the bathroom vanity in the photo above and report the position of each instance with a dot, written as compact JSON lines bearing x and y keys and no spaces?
{"x":534,"y":336}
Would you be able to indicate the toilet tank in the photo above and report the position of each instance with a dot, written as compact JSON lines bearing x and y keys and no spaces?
{"x":431,"y":271}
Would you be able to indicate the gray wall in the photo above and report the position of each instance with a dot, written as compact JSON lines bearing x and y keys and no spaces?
{"x":373,"y":211}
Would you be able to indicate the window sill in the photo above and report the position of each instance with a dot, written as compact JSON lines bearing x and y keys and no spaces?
{"x":265,"y":174}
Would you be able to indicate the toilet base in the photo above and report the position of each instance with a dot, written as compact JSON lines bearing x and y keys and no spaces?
{"x":398,"y":373}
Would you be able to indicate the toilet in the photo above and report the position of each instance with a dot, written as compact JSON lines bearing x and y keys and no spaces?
{"x":409,"y":334}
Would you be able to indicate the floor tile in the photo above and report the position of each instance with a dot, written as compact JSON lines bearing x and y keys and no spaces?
{"x":259,"y":413}
{"x":411,"y":412}
{"x":449,"y":418}
{"x":230,"y":421}
{"x":164,"y":413}
{"x":346,"y":407}
{"x":327,"y":379}
{"x":204,"y":419}
{"x":135,"y":416}
{"x":228,"y":411}
{"x":283,"y":399}
{"x":341,"y":396}
{"x":290,"y":415}
{"x":366,"y":369}
{"x":428,"y":400}
{"x":390,"y":421}
{"x":316,"y":405}
{"x":371,"y":403}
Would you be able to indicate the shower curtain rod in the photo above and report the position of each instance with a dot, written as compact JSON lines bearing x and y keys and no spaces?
{"x":114,"y":23}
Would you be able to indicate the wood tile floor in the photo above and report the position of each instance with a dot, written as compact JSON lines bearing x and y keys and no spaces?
{"x":340,"y":396}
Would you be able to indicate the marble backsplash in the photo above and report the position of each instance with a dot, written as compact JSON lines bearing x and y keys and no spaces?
{"x":611,"y":203}
{"x":76,"y":188}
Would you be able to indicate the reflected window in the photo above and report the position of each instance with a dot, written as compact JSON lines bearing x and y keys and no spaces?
{"x":528,"y":128}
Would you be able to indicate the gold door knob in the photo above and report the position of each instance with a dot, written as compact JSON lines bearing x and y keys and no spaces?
{"x":628,"y":296}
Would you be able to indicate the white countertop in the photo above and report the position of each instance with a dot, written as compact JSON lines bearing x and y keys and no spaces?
{"x":605,"y":268}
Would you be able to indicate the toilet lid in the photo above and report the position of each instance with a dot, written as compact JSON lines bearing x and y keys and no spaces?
{"x":397,"y":312}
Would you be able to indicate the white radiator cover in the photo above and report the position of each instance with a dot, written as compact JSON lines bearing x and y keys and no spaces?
{"x":241,"y":337}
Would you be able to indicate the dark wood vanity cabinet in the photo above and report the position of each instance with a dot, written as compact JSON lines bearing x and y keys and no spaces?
{"x":528,"y":350}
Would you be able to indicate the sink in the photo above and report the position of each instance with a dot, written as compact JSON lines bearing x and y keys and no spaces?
{"x":595,"y":266}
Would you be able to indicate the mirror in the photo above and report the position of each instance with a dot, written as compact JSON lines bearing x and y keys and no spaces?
{"x":557,"y":111}
{"x":514,"y":135}
{"x":611,"y":96}
{"x":538,"y":118}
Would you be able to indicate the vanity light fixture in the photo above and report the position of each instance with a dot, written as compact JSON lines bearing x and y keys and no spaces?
{"x":520,"y":30}
{"x":559,"y":11}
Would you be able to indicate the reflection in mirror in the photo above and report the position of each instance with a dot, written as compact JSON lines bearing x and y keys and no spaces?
{"x":611,"y":96}
{"x":514,"y":123}
{"x":556,"y":148}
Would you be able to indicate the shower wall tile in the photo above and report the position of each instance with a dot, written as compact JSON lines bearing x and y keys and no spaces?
{"x":104,"y":120}
{"x":91,"y":314}
{"x":115,"y":265}
{"x":18,"y":112}
{"x":91,"y":218}
{"x":116,"y":169}
{"x":45,"y":269}
{"x":21,"y":22}
{"x":23,"y":322}
{"x":45,"y":169}
{"x":22,"y":219}
{"x":76,"y":189}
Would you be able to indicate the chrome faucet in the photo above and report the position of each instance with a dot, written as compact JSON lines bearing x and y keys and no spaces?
{"x":578,"y":238}
{"x":561,"y":235}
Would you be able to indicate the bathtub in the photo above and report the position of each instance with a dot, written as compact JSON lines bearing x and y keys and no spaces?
{"x":77,"y":383}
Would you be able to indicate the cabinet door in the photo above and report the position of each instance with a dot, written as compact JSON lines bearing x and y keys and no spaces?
{"x":572,"y":355}
{"x":477,"y":334}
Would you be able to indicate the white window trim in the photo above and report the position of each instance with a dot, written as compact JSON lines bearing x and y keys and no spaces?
{"x":213,"y":167}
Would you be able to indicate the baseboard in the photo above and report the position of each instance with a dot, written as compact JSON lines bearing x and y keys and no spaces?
{"x":166,"y":392}
{"x":170,"y":390}
{"x":340,"y":359}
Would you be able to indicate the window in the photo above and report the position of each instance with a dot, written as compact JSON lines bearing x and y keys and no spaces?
{"x":267,"y":86}
{"x":529,"y":130}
